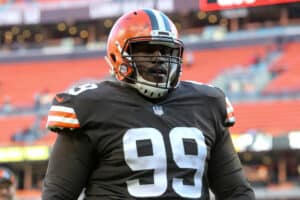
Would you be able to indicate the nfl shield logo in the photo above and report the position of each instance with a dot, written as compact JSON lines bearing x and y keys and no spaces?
{"x":158,"y":110}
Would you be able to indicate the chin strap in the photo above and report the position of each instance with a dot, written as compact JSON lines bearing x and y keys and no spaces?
{"x":150,"y":91}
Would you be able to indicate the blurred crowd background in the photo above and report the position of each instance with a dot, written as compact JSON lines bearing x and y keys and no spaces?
{"x":249,"y":48}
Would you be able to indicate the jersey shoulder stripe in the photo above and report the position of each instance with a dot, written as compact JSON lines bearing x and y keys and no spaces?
{"x":62,"y":117}
{"x":230,"y":118}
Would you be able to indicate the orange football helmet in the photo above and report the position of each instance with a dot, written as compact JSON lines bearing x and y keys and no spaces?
{"x":6,"y":175}
{"x":150,"y":27}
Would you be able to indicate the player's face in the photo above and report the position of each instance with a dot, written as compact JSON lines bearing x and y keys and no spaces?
{"x":153,"y":61}
{"x":7,"y":191}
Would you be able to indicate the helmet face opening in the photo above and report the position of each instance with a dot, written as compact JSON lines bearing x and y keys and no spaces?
{"x":156,"y":62}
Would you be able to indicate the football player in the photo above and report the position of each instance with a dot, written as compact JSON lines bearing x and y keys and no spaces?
{"x":146,"y":135}
{"x":7,"y":184}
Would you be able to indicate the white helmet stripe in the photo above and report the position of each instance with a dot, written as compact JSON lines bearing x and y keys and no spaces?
{"x":160,"y":20}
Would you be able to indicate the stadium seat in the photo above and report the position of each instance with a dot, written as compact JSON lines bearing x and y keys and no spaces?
{"x":209,"y":63}
{"x":287,"y":72}
{"x":11,"y":125}
{"x":21,"y":82}
{"x":273,"y":117}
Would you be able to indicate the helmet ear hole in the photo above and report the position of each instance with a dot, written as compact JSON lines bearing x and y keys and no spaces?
{"x":113,"y":57}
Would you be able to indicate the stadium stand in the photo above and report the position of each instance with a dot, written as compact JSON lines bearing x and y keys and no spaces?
{"x":52,"y":76}
{"x":22,"y":81}
{"x":48,"y":139}
{"x":286,"y":71}
{"x":12,"y":125}
{"x":218,"y":60}
{"x":275,"y":117}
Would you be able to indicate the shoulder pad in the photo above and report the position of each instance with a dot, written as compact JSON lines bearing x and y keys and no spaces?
{"x":224,"y":104}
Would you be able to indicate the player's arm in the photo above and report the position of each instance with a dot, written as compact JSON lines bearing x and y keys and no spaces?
{"x":225,"y":174}
{"x":71,"y":158}
{"x":68,"y":168}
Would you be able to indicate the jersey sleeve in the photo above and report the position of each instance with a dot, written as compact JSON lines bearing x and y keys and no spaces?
{"x":230,"y":117}
{"x":225,"y":172}
{"x":62,"y":115}
{"x":71,"y":162}
{"x":225,"y":108}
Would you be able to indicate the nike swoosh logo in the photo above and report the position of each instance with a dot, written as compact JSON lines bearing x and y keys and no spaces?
{"x":59,"y":99}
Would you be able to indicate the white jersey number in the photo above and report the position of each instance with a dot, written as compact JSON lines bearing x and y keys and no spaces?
{"x":157,"y":161}
{"x":81,"y":88}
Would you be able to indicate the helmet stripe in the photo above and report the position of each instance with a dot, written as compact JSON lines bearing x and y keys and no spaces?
{"x":166,"y":22}
{"x":158,"y":20}
{"x":153,"y":19}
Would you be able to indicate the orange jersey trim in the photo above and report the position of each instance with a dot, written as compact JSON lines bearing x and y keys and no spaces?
{"x":62,"y":125}
{"x":63,"y":114}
